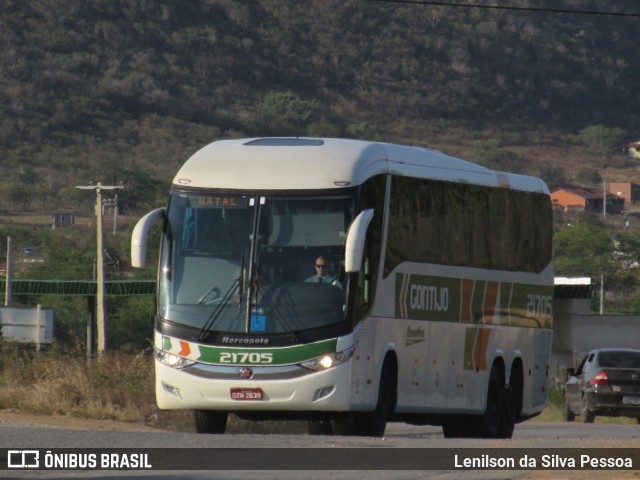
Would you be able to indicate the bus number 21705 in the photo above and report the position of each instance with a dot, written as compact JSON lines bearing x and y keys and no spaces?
{"x":540,"y":306}
{"x":254,"y":358}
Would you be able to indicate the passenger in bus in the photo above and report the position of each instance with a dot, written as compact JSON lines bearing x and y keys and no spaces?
{"x":323,"y":273}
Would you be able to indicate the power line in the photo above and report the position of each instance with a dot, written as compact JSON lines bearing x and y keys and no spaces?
{"x":513,"y":8}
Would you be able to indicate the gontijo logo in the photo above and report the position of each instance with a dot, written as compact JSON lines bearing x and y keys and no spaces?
{"x":422,"y":297}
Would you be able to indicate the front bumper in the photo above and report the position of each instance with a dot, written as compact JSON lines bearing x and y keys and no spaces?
{"x":285,"y":388}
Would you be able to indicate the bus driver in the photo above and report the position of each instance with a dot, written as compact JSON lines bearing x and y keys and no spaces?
{"x":323,"y":273}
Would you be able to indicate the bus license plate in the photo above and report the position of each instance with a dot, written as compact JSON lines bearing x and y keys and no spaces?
{"x":631,"y":400}
{"x":247,"y":394}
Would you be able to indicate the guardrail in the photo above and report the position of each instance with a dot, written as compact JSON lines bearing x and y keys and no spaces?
{"x":79,"y":287}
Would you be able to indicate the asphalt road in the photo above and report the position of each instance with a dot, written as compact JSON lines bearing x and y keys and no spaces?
{"x":245,"y":456}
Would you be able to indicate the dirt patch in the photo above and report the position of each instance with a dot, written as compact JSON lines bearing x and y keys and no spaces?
{"x":14,"y":417}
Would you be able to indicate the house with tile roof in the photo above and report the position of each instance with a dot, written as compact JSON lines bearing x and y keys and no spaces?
{"x":582,"y":199}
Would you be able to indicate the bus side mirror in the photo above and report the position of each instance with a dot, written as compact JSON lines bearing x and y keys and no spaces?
{"x":354,"y":246}
{"x":139,"y":237}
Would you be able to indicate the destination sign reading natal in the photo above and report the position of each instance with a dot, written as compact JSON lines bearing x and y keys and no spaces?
{"x":422,"y":297}
{"x":212,"y":201}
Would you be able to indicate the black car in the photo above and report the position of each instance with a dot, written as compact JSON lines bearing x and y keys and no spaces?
{"x":606,"y":383}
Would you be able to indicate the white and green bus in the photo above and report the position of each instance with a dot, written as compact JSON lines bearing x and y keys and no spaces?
{"x":438,"y":310}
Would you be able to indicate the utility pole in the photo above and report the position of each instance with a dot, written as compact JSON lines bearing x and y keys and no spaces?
{"x":113,"y":203}
{"x":100,"y":277}
{"x":9,"y":274}
{"x":601,"y":294}
{"x":604,"y":199}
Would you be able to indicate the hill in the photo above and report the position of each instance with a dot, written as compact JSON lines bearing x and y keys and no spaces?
{"x":123,"y":92}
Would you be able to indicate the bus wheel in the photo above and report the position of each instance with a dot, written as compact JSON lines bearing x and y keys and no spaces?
{"x":207,"y":421}
{"x":507,"y":418}
{"x":489,"y":422}
{"x":516,"y":388}
{"x":512,"y":401}
{"x":373,"y":424}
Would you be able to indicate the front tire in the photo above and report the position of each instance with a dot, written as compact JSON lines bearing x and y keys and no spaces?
{"x":207,"y":421}
{"x":373,"y":424}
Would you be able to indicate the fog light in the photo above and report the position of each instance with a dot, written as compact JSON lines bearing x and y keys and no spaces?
{"x":323,"y":392}
{"x":175,"y":391}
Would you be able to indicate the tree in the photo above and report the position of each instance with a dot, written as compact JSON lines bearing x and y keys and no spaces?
{"x":492,"y":154}
{"x":587,"y":248}
{"x":554,"y":176}
{"x":362,"y":130}
{"x":601,"y":141}
{"x":589,"y":178}
{"x":286,"y":113}
{"x":583,"y":249}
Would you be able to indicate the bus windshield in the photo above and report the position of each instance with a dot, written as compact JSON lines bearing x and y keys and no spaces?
{"x":247,"y":264}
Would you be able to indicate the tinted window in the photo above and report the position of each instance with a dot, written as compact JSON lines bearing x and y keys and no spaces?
{"x":466,"y":225}
{"x":620,"y":359}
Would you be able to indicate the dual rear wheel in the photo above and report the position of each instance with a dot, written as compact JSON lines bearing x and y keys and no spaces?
{"x":498,"y":420}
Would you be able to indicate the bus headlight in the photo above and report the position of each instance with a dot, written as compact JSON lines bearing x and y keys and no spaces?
{"x":329,"y":360}
{"x":172,"y":360}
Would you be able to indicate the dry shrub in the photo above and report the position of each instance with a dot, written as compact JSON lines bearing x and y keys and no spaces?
{"x":116,"y":386}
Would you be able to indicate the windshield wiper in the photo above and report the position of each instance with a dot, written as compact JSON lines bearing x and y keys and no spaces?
{"x":215,"y":315}
{"x":213,"y":318}
{"x":207,"y":328}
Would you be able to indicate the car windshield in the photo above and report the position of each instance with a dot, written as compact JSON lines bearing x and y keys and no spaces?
{"x":245,"y":264}
{"x":620,"y":359}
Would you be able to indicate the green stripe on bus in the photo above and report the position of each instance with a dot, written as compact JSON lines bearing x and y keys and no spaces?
{"x":478,"y":301}
{"x":469,"y":343}
{"x":265,"y":356}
